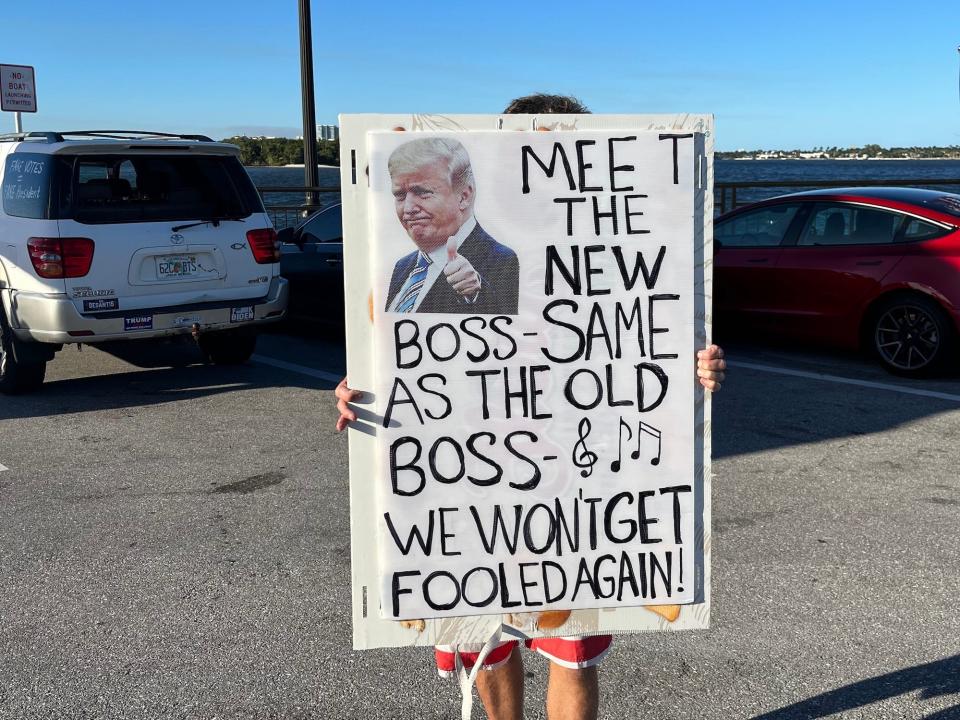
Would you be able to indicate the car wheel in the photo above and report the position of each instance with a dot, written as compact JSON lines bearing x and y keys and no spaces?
{"x":912,"y":335}
{"x":16,"y":377}
{"x":228,"y":348}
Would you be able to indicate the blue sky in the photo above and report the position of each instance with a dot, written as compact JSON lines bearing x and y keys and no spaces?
{"x":776,"y":75}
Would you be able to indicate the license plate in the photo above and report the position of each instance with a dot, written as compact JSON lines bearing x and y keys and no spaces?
{"x":241,"y":314}
{"x":176,"y":266}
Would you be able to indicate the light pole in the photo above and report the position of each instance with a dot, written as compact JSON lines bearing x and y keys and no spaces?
{"x":309,"y":114}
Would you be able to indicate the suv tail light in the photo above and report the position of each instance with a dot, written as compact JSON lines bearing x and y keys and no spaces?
{"x":59,"y":258}
{"x":263,"y":243}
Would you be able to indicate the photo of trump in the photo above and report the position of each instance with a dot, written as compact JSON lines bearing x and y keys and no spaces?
{"x":456,"y":267}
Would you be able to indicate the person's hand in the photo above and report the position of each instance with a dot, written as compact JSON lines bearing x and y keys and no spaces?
{"x":460,"y":273}
{"x":710,"y":367}
{"x":344,"y":395}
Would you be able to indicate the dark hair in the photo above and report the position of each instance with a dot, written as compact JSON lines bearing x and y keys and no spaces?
{"x":543,"y":103}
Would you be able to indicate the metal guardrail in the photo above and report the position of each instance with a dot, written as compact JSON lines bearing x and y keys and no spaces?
{"x":298,"y":189}
{"x":286,"y":215}
{"x":283,"y":216}
{"x":725,"y":193}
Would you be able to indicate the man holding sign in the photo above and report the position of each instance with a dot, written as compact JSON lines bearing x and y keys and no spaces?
{"x":457,"y":267}
{"x":433,"y":192}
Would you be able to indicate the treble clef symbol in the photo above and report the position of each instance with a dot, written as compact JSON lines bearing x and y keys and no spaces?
{"x":582,"y":457}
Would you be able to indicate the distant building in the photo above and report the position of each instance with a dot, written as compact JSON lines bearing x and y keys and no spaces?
{"x":328,"y":132}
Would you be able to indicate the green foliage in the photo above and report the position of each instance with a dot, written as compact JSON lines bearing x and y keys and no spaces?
{"x":283,"y":151}
{"x":328,"y":152}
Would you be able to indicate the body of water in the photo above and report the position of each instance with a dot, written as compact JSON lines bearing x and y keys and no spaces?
{"x":838,"y":172}
{"x":293,"y":177}
{"x":835,"y":171}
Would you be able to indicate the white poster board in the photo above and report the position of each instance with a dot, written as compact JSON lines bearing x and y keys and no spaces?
{"x":533,"y":449}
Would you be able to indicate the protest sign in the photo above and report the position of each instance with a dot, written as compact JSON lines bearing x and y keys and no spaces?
{"x":524,"y":308}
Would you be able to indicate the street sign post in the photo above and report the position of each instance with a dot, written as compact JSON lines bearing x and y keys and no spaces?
{"x":18,"y":91}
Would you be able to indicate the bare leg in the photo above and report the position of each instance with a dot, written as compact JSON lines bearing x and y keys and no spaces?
{"x":501,"y":689}
{"x":573,"y":694}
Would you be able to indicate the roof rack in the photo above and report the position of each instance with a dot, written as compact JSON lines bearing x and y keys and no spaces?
{"x":124,"y":135}
{"x":49,"y":137}
{"x":55,"y":137}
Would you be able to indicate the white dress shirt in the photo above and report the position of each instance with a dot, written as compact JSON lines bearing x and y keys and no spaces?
{"x":438,"y":260}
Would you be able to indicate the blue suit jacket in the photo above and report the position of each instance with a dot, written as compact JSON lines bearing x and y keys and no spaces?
{"x":499,"y":279}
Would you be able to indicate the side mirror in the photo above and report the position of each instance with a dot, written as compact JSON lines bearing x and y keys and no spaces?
{"x":285,"y":235}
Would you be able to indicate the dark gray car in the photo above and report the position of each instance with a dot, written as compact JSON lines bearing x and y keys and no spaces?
{"x":311,"y":259}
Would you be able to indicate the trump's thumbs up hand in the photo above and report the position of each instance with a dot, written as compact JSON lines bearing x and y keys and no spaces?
{"x":460,"y":273}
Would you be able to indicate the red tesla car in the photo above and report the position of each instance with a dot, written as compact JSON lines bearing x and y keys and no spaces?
{"x":874,"y":268}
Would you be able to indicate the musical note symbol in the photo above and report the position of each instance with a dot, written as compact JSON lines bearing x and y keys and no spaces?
{"x":615,"y":465}
{"x":652,"y":432}
{"x":585,"y":458}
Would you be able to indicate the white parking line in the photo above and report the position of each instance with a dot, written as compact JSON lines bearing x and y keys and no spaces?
{"x":3,"y":467}
{"x":292,"y":367}
{"x":845,"y":381}
{"x":330,"y":377}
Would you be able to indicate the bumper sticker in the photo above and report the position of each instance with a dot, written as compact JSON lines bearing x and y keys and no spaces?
{"x":138,"y":322}
{"x":241,"y":314}
{"x":101,"y":305}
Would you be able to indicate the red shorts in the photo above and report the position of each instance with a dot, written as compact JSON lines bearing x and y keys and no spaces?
{"x":570,"y":652}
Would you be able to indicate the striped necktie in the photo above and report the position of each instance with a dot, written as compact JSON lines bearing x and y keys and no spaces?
{"x":408,"y":295}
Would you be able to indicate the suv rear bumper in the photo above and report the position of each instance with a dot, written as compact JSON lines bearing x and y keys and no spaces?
{"x":53,"y":318}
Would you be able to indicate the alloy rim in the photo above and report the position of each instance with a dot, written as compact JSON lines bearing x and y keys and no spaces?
{"x":907,"y":337}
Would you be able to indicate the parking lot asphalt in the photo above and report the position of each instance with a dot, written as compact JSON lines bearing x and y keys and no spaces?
{"x":174,"y":543}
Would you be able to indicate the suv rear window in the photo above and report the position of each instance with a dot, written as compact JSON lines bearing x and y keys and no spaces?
{"x":120,"y":188}
{"x":27,"y":179}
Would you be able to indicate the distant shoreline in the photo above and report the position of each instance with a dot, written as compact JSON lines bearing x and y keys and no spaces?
{"x":719,"y":156}
{"x":837,"y":159}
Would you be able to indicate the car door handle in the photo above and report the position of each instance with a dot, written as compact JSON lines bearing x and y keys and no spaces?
{"x":334,"y":261}
{"x":758,"y":260}
{"x":870,"y":262}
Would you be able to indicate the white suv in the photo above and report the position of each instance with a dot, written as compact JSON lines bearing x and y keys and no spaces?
{"x":108,"y":235}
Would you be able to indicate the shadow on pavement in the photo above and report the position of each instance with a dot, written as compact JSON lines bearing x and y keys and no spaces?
{"x":308,"y":327}
{"x":759,"y":411}
{"x":177,"y":352}
{"x":751,"y":420}
{"x":933,"y":679}
{"x":148,"y":387}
